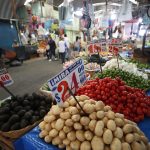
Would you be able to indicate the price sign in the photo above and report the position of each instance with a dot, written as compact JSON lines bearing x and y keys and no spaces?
{"x":114,"y":49}
{"x":5,"y":77}
{"x":72,"y":77}
{"x":94,"y":48}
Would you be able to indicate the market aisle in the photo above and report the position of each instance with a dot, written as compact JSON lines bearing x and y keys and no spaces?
{"x":31,"y":76}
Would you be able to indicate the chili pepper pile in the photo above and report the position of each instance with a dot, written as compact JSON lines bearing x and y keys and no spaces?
{"x":131,"y":102}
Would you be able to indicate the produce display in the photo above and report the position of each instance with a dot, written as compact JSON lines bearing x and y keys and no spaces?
{"x":140,"y":65}
{"x":131,"y":102}
{"x":45,"y":87}
{"x":92,"y":67}
{"x":125,"y":66}
{"x":19,"y":112}
{"x":97,"y":128}
{"x":130,"y":79}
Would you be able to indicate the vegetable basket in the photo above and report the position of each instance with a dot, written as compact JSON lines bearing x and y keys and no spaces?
{"x":92,"y":72}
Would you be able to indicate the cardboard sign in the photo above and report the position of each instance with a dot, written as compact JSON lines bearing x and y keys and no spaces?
{"x":73,"y":77}
{"x":5,"y":77}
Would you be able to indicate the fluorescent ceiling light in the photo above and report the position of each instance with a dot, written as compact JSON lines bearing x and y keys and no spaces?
{"x":112,"y":4}
{"x":99,"y":11}
{"x":115,"y":4}
{"x":99,"y":4}
{"x":134,"y":2}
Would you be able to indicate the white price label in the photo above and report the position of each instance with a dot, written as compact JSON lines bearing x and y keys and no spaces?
{"x":72,"y":77}
{"x":5,"y":77}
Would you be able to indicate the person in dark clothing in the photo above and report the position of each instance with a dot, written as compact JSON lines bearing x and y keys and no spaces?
{"x":52,"y":47}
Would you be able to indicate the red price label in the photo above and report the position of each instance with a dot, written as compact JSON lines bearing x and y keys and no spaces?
{"x":6,"y":79}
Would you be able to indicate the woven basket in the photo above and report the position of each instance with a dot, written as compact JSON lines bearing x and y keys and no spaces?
{"x":18,"y":133}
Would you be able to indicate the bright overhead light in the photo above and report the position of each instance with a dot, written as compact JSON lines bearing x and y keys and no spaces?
{"x":115,"y":4}
{"x":99,"y":4}
{"x":27,"y":1}
{"x":112,"y":4}
{"x":99,"y":11}
{"x":134,"y":2}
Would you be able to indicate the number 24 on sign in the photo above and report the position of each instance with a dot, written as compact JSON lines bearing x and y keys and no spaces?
{"x":63,"y":87}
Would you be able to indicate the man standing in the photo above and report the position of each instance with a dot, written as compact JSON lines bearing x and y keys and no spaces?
{"x":52,"y":47}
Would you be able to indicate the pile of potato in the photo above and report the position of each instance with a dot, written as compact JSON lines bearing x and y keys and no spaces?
{"x":99,"y":129}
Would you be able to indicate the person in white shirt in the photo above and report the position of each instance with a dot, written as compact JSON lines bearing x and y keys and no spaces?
{"x":68,"y":53}
{"x":62,"y":48}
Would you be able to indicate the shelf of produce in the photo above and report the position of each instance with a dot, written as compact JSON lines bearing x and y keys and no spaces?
{"x":32,"y":140}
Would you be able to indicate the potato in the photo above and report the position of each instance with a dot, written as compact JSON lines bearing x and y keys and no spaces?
{"x":77,"y":126}
{"x":100,"y":114}
{"x":80,"y":135}
{"x":49,"y":119}
{"x":128,"y":128}
{"x":93,"y":116}
{"x":85,"y":121}
{"x":106,"y":147}
{"x":72,"y":102}
{"x":43,"y":134}
{"x":65,"y":115}
{"x":53,"y":133}
{"x":42,"y":125}
{"x":48,"y":139}
{"x":48,"y":127}
{"x":129,"y":138}
{"x":88,"y":108}
{"x":56,"y":110}
{"x":119,"y":122}
{"x":62,"y":134}
{"x":92,"y":101}
{"x":73,"y":110}
{"x":75,"y":145}
{"x":69,"y":122}
{"x":105,"y":120}
{"x":75,"y":118}
{"x":68,"y":148}
{"x":126,"y":146}
{"x":88,"y":135}
{"x":107,"y":136}
{"x":53,"y":124}
{"x":99,"y":105}
{"x":107,"y":108}
{"x":86,"y":145}
{"x":111,"y":125}
{"x":61,"y":146}
{"x":110,"y":115}
{"x":59,"y":124}
{"x":118,"y":133}
{"x":71,"y":135}
{"x":67,"y":129}
{"x":129,"y":122}
{"x":97,"y":143}
{"x":78,"y":107}
{"x":137,"y":137}
{"x":99,"y":128}
{"x":66,"y":141}
{"x":144,"y":139}
{"x":118,"y":115}
{"x":65,"y":104}
{"x":92,"y":125}
{"x":136,"y":146}
{"x":116,"y":144}
{"x":83,"y":98}
{"x":56,"y":141}
{"x":143,"y":146}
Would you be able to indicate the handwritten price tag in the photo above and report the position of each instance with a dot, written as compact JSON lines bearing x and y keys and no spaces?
{"x":72,"y":77}
{"x":5,"y":77}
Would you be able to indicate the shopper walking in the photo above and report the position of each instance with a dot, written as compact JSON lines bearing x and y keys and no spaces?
{"x":77,"y":46}
{"x":52,"y":48}
{"x":62,"y":48}
{"x":67,"y":52}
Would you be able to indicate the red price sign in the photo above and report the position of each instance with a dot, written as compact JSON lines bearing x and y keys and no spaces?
{"x":114,"y":49}
{"x":94,"y":48}
{"x":72,"y":77}
{"x":5,"y":77}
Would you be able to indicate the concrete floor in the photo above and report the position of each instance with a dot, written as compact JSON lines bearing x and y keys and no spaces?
{"x":31,"y":76}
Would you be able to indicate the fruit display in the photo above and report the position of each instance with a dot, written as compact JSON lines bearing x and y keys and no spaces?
{"x":129,"y":78}
{"x":19,"y":112}
{"x":97,"y":128}
{"x":131,"y":102}
{"x":125,"y":66}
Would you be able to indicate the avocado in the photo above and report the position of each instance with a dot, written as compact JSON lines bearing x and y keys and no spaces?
{"x":4,"y":118}
{"x":34,"y":119}
{"x":13,"y":119}
{"x":36,"y":113}
{"x":5,"y":127}
{"x":43,"y":103}
{"x":24,"y":123}
{"x":42,"y":113}
{"x":14,"y":104}
{"x":21,"y":112}
{"x":15,"y":126}
{"x":26,"y":103}
{"x":18,"y":108}
{"x":27,"y":108}
{"x":27,"y":115}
